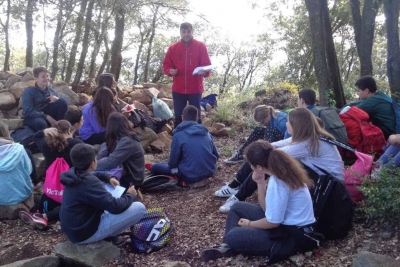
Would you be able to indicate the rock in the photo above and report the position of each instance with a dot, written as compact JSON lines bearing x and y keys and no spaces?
{"x":3,"y":82}
{"x":147,"y":135}
{"x":141,"y":106}
{"x":28,"y":77}
{"x":83,"y":99}
{"x":12,"y":80}
{"x":203,"y":114}
{"x":164,"y":94}
{"x":176,"y":264}
{"x":158,"y":146}
{"x":208,"y":107}
{"x":126,"y":89}
{"x":40,"y":164}
{"x":66,"y":93}
{"x":43,"y":261}
{"x":73,"y":107}
{"x":167,"y":128}
{"x":137,"y":86}
{"x":7,"y":101}
{"x":1,"y":86}
{"x":12,"y":113}
{"x":94,"y":254}
{"x":218,"y":126}
{"x":14,"y":124}
{"x":18,"y":88}
{"x":369,"y":259}
{"x":11,"y":212}
{"x":169,"y":102}
{"x":24,"y":71}
{"x":166,"y":88}
{"x":140,"y":96}
{"x":1,"y":115}
{"x":297,"y":259}
{"x":207,"y":122}
{"x":224,"y":131}
{"x":152,"y":92}
{"x":166,"y":139}
{"x":149,"y":85}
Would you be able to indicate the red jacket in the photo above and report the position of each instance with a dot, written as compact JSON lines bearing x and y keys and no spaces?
{"x":186,"y":57}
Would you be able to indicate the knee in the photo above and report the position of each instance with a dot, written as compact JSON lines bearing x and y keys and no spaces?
{"x":62,"y":104}
{"x":40,"y":124}
{"x":137,"y":209}
{"x":238,"y":206}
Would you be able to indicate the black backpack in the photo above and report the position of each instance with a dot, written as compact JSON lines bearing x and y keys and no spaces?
{"x":24,"y":136}
{"x":140,"y":118}
{"x":333,"y":208}
{"x":154,"y":183}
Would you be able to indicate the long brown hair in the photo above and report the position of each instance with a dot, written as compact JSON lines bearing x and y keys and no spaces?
{"x":262,"y":112}
{"x":103,"y":102}
{"x":117,"y":127}
{"x":278,"y":163}
{"x":59,"y":143}
{"x":305,"y":127}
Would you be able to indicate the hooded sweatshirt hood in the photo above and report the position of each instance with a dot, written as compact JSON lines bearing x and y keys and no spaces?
{"x":11,"y":154}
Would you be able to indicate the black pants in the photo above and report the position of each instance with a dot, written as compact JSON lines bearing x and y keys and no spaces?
{"x":48,"y":206}
{"x":34,"y":177}
{"x":96,"y":139}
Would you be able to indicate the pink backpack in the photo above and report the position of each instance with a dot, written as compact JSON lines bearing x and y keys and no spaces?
{"x":52,"y":185}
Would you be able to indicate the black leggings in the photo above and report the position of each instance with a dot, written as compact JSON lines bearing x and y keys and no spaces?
{"x":271,"y":134}
{"x":96,"y":139}
{"x":50,"y":207}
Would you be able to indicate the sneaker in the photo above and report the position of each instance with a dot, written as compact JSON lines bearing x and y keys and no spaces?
{"x":236,"y":158}
{"x":116,"y":240}
{"x":34,"y":219}
{"x":375,"y":173}
{"x":226,"y":191}
{"x":228,"y":204}
{"x":216,"y":253}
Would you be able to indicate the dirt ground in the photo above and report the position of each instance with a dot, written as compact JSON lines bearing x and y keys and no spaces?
{"x":197,"y":225}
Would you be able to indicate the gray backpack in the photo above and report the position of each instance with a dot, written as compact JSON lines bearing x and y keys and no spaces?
{"x":332,"y":121}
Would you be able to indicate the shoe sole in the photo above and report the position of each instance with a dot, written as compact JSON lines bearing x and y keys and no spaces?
{"x":27,"y":219}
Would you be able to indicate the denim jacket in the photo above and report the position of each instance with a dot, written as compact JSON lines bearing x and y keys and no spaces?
{"x":280,"y":122}
{"x":34,"y":101}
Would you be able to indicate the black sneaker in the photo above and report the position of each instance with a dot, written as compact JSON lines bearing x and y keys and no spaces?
{"x":236,"y":158}
{"x":216,"y":253}
{"x":116,"y":240}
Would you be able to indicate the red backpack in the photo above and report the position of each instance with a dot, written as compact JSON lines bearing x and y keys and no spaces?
{"x":363,"y":135}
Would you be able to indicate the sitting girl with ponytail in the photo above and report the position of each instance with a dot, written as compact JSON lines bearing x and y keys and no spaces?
{"x":281,"y":224}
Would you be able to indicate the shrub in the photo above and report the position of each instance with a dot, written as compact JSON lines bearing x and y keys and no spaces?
{"x":383,"y":196}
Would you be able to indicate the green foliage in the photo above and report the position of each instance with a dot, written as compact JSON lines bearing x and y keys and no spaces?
{"x":330,"y":98}
{"x":383,"y":196}
{"x":293,"y":88}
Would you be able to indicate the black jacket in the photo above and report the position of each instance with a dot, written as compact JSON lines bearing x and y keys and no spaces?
{"x":84,"y":201}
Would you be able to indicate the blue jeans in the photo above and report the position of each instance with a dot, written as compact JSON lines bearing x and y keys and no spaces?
{"x":180,"y":102}
{"x":164,"y":169}
{"x":56,"y":110}
{"x":391,"y":157}
{"x":113,"y":224}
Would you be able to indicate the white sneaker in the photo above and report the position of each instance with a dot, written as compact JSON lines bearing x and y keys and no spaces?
{"x":226,"y":191}
{"x":228,"y":204}
{"x":375,"y":173}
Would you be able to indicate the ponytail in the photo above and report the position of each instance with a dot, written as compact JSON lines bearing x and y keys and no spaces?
{"x":58,"y":143}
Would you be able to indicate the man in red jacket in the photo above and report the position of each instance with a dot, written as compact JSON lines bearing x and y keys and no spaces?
{"x":181,"y":59}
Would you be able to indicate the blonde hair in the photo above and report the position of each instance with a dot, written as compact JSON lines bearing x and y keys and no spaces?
{"x":262,"y":112}
{"x":305,"y":127}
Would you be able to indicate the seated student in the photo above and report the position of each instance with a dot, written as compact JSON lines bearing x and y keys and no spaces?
{"x":304,"y":145}
{"x":15,"y":169}
{"x":5,"y":134}
{"x":41,"y":106}
{"x":329,"y":116}
{"x":108,"y":80}
{"x":390,"y":158}
{"x":95,"y":116}
{"x":273,"y":128}
{"x":193,"y":155}
{"x":284,"y":216}
{"x":122,"y":148}
{"x":55,"y":142}
{"x":89,"y":213}
{"x":74,"y":117}
{"x":376,"y":104}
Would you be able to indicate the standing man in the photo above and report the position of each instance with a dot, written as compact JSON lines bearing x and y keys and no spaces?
{"x":41,"y":105}
{"x":181,"y":59}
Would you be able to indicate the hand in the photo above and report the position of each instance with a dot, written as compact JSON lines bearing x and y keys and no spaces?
{"x":114,"y":182}
{"x":50,"y":132}
{"x":244,"y":222}
{"x":394,"y":139}
{"x":258,"y":177}
{"x":202,"y":72}
{"x":173,"y":72}
{"x":50,"y":120}
{"x":126,"y":113}
{"x":52,"y":98}
{"x":132,"y":191}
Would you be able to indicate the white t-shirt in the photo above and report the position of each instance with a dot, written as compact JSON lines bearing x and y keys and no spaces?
{"x":327,"y":158}
{"x":286,"y":206}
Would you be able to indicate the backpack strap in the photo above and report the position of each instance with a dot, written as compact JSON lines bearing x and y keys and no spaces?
{"x":337,"y":143}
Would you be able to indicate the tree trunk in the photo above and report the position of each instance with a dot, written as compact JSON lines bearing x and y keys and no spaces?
{"x":333,"y":65}
{"x":74,"y":49}
{"x":99,"y":36}
{"x":150,"y":45}
{"x":393,"y":48}
{"x":56,"y":42}
{"x":116,"y":57}
{"x":364,"y":30}
{"x":143,"y":38}
{"x":85,"y":45}
{"x":29,"y":33}
{"x":106,"y":57}
{"x":5,"y":26}
{"x":318,"y":45}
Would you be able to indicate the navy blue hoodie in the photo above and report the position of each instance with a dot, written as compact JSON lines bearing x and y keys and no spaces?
{"x":84,"y":201}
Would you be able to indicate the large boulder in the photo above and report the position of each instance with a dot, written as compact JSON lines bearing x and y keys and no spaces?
{"x":40,"y":164}
{"x":140,"y":96}
{"x":149,"y":85}
{"x":169,"y":102}
{"x":11,"y":212}
{"x":14,"y":124}
{"x":369,"y":259}
{"x":152,"y":92}
{"x":7,"y":100}
{"x":164,"y":94}
{"x":141,"y":106}
{"x":24,"y":71}
{"x":28,"y":77}
{"x":12,"y":80}
{"x":43,"y":261}
{"x":94,"y":254}
{"x":18,"y":88}
{"x":66,"y":93}
{"x":166,"y":139}
{"x":83,"y":99}
{"x":147,"y":136}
